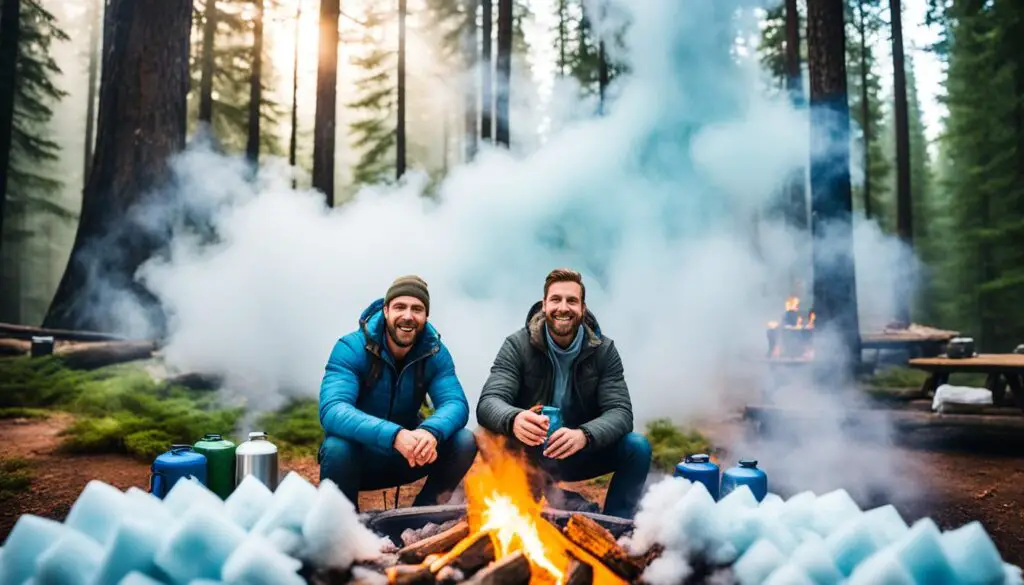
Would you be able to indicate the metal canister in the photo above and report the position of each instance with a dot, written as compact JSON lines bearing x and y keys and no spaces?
{"x":220,"y":463}
{"x":257,"y":457}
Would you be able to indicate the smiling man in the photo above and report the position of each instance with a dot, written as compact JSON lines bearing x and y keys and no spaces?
{"x":371,"y":395}
{"x":560,"y":358}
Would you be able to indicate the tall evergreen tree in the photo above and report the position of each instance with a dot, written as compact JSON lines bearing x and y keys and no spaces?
{"x":33,"y":184}
{"x":373,"y":133}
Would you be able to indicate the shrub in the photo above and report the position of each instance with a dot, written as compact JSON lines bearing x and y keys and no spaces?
{"x":670,"y":444}
{"x":295,"y":429}
{"x":15,"y":477}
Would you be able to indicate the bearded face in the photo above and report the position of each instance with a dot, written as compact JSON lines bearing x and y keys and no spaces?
{"x":564,"y":308}
{"x":405,"y":318}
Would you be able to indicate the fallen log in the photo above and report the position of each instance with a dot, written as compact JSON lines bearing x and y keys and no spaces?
{"x":579,"y":572}
{"x":598,"y":541}
{"x":14,"y":347}
{"x":439,"y":543}
{"x":27,"y":332}
{"x":90,"y":356}
{"x":513,"y":569}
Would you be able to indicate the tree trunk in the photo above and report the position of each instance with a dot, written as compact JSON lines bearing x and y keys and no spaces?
{"x":326,"y":100}
{"x":486,"y":72}
{"x":562,"y":35}
{"x":293,"y":141}
{"x":141,"y":126}
{"x":470,"y":55}
{"x":10,"y":30}
{"x":835,"y":298}
{"x":602,"y":75}
{"x":504,"y":69}
{"x":252,"y":147}
{"x":904,"y":219}
{"x":865,"y":109}
{"x":795,"y":204}
{"x":95,"y":26}
{"x":400,"y":131}
{"x":206,"y":79}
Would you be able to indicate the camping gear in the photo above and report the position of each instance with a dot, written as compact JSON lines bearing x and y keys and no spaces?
{"x":179,"y":463}
{"x":700,"y":468}
{"x":220,"y":463}
{"x":258,"y":457}
{"x":960,"y":347}
{"x":554,"y":415}
{"x":746,"y":473}
{"x":41,"y":345}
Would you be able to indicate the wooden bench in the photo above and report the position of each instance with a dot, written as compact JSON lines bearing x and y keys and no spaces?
{"x":1004,"y":371}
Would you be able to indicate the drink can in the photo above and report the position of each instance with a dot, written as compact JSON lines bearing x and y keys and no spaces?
{"x":554,"y":415}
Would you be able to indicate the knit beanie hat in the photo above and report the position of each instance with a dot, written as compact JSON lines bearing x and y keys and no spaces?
{"x":411,"y":286}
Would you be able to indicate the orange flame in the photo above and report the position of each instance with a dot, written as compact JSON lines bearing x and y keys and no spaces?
{"x":793,"y":304}
{"x":501,"y":503}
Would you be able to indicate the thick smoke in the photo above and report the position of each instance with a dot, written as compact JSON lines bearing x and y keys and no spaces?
{"x":660,"y":204}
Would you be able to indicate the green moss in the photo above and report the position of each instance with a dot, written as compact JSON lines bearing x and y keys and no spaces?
{"x":119,"y":409}
{"x":670,"y":444}
{"x":21,"y":412}
{"x":295,"y":429}
{"x":15,"y":477}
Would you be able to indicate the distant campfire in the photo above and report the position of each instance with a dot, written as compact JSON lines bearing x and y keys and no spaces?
{"x":791,"y":337}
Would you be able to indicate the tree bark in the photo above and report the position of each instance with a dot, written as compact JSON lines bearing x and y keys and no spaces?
{"x":562,"y":35}
{"x":326,"y":100}
{"x":95,"y":26}
{"x":865,"y":109}
{"x":400,"y":132}
{"x":504,"y":69}
{"x":486,"y":72}
{"x":470,"y":55}
{"x":904,"y":206}
{"x":602,"y":75}
{"x":141,"y":126}
{"x":795,"y":204}
{"x":293,"y":141}
{"x":252,"y":147}
{"x":835,"y":298}
{"x":10,"y":31}
{"x":206,"y":75}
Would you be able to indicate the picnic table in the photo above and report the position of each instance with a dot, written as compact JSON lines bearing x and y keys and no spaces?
{"x":1004,"y":370}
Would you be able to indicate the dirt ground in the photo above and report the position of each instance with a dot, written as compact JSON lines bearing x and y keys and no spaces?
{"x":961,"y":485}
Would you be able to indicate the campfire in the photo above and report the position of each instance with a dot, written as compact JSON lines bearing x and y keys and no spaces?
{"x":791,"y":337}
{"x":505,"y":539}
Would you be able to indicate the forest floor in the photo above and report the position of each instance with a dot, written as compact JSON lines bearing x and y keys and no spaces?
{"x":961,"y":486}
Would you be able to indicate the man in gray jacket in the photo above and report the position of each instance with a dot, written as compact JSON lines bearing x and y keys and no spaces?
{"x":560,"y":358}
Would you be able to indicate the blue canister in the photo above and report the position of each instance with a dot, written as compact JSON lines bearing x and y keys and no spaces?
{"x":554,"y":415}
{"x":700,"y":468}
{"x":746,"y":473}
{"x":178,"y":463}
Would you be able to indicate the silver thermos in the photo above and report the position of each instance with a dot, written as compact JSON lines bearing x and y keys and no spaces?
{"x":257,"y":456}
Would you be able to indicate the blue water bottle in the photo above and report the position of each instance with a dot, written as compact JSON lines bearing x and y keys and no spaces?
{"x":554,"y":415}
{"x":700,"y":468}
{"x":746,"y":473}
{"x":179,"y":463}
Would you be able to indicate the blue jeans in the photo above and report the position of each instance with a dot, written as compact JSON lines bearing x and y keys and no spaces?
{"x":629,"y":460}
{"x":354,"y":467}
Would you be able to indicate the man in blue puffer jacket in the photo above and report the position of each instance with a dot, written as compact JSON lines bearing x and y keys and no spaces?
{"x":370,"y":399}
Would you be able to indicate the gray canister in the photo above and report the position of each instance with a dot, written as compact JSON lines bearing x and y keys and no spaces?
{"x":258,"y":457}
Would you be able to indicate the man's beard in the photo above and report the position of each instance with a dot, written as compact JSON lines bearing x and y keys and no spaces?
{"x":393,"y":334}
{"x":563,"y":328}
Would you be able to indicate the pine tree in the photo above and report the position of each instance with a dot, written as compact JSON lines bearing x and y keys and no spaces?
{"x":374,"y":132}
{"x":33,"y":184}
{"x":231,"y":79}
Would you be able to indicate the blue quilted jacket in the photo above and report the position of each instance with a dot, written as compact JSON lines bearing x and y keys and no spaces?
{"x":375,"y":416}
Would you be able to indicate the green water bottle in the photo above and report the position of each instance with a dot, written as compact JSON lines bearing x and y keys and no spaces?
{"x":220,"y":463}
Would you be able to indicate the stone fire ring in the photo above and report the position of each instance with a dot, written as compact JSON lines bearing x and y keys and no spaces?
{"x":392,"y":523}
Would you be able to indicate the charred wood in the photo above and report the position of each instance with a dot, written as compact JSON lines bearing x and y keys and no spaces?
{"x":410,"y":575}
{"x":439,"y":543}
{"x":513,"y":569}
{"x":468,"y":557}
{"x":579,"y":573}
{"x":598,"y":541}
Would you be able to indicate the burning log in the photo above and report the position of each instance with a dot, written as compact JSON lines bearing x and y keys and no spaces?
{"x":513,"y":569}
{"x":579,"y":573}
{"x":410,"y":575}
{"x":469,"y":557}
{"x":439,"y":543}
{"x":598,"y":541}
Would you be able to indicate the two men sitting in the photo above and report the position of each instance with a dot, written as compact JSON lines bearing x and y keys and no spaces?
{"x":377,"y":376}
